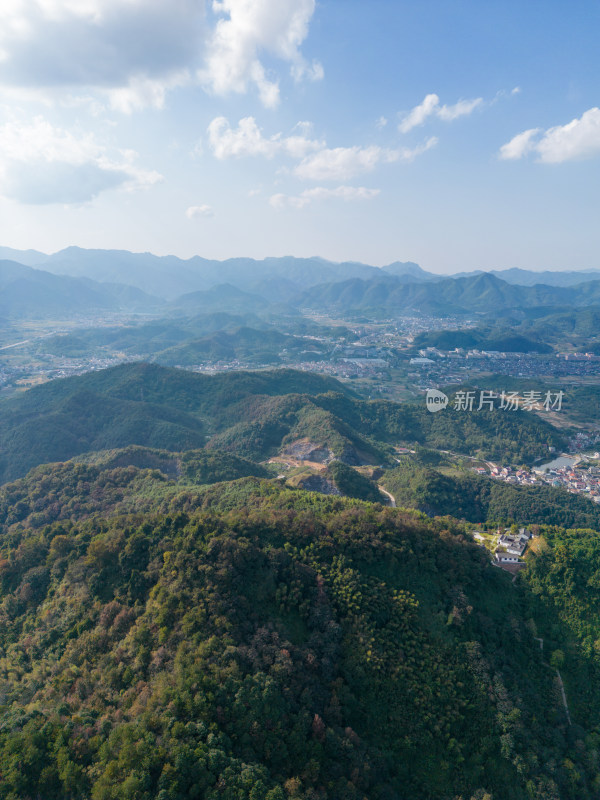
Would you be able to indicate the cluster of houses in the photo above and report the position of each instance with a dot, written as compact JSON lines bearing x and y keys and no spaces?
{"x":522,"y":477}
{"x":573,"y":478}
{"x":577,"y":480}
{"x":583,"y":440}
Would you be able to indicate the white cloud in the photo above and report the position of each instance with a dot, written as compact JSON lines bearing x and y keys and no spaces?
{"x":299,"y":146}
{"x":343,"y":163}
{"x":346,"y":193}
{"x":410,"y":153}
{"x":430,"y":107}
{"x":317,"y":162}
{"x":135,"y":51}
{"x":252,"y":28}
{"x":305,"y":126}
{"x":143,"y":93}
{"x":502,"y":94}
{"x":461,"y":109}
{"x":97,"y":43}
{"x":313,"y":71}
{"x":519,"y":145}
{"x":199,"y":212}
{"x":248,"y":140}
{"x":41,"y":164}
{"x":578,"y":139}
{"x":420,"y":113}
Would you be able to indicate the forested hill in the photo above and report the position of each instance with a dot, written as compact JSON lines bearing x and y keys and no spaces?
{"x":276,"y":645}
{"x":482,"y":499}
{"x":174,"y":623}
{"x":252,"y":414}
{"x":33,"y":293}
{"x":186,"y":390}
{"x":482,"y":292}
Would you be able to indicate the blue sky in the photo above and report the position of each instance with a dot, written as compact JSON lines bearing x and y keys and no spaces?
{"x":460,"y":135}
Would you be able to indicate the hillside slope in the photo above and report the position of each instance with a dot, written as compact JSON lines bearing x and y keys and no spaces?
{"x":295,"y":646}
{"x":252,"y":414}
{"x":483,"y":292}
{"x":479,"y":499}
{"x":33,"y":293}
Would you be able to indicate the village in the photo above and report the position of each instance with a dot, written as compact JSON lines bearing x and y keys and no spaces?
{"x":573,"y":473}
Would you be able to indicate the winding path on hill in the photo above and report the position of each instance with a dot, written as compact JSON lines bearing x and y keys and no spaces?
{"x":391,"y":497}
{"x":490,"y":464}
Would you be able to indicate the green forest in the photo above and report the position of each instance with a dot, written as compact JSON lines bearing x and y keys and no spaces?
{"x":268,"y":643}
{"x":252,"y":415}
{"x":178,"y":619}
{"x":480,"y":499}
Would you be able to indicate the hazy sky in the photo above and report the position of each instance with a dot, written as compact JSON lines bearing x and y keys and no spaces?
{"x":457,"y":133}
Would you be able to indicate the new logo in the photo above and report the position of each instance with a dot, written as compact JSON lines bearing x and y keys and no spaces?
{"x":436,"y":400}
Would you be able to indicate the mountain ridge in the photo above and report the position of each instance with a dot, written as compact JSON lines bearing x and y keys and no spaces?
{"x":255,"y":415}
{"x":32,"y":292}
{"x":482,"y":292}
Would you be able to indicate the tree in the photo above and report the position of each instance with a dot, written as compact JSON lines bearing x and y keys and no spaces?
{"x":557,"y":659}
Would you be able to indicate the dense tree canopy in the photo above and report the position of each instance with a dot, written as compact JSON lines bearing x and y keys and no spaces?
{"x":253,"y":415}
{"x":293,"y":646}
{"x":480,"y":499}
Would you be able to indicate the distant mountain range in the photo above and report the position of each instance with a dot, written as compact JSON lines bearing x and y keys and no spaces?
{"x":528,"y":277}
{"x":75,"y":280}
{"x":481,"y":293}
{"x":32,"y":293}
{"x":169,"y":276}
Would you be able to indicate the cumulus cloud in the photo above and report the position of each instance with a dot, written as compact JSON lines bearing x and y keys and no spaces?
{"x":519,"y":145}
{"x":248,"y":140}
{"x":578,"y":139}
{"x":96,"y":43}
{"x":317,"y":162}
{"x":249,"y":29}
{"x":343,"y":163}
{"x":137,"y":50}
{"x":430,"y":107}
{"x":199,"y":212}
{"x":346,"y":193}
{"x":41,"y":164}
